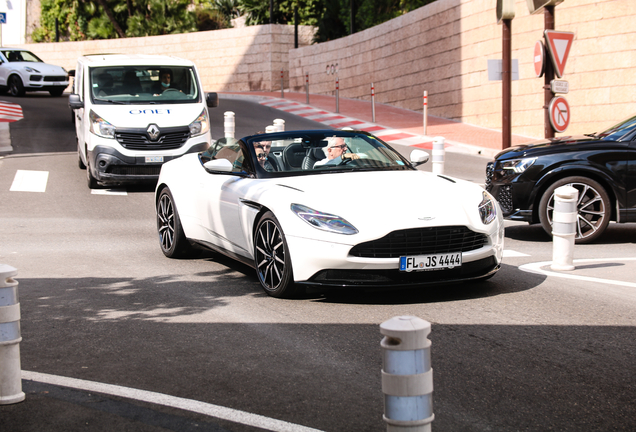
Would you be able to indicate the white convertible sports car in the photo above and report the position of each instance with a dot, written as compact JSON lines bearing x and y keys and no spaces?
{"x":367,"y":218}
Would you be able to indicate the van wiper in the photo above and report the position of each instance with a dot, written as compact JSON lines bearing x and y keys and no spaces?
{"x":110,"y":101}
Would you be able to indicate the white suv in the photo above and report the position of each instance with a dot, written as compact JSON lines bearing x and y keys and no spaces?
{"x":22,"y":71}
{"x":135,"y":112}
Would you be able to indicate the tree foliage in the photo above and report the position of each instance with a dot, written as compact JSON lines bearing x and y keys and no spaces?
{"x":108,"y":19}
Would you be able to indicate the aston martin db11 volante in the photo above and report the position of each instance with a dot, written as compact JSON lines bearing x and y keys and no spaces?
{"x":328,"y":209}
{"x":601,"y":166}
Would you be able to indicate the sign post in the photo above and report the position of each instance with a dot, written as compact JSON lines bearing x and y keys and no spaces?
{"x":505,"y":14}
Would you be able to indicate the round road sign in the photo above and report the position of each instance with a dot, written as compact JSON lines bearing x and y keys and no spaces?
{"x":559,"y":114}
{"x":539,"y":59}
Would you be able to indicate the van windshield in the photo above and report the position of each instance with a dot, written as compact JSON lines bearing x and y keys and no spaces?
{"x":144,"y":85}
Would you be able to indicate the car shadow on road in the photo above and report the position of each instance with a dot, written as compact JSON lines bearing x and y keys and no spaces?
{"x":506,"y":281}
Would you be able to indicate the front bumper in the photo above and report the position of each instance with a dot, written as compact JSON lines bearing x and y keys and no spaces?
{"x":109,"y":166}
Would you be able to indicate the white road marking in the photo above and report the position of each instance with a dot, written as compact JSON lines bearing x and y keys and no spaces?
{"x":509,"y":253}
{"x":220,"y":412}
{"x":122,"y":192}
{"x":29,"y":181}
{"x":536,"y":268}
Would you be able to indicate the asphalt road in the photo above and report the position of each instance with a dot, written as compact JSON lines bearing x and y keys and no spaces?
{"x":522,"y":352}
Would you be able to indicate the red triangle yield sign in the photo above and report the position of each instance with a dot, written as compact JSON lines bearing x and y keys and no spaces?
{"x":559,"y":44}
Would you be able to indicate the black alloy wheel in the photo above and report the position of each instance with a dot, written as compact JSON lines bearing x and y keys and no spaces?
{"x":15,"y":86}
{"x":272,"y":260}
{"x":593,"y":207}
{"x":172,"y":239}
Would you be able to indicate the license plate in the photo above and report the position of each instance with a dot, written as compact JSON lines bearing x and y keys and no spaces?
{"x":154,"y":159}
{"x":430,"y":262}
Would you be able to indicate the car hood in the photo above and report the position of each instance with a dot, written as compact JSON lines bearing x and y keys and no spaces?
{"x":378,"y":201}
{"x":43,"y":68}
{"x":547,"y":145}
{"x":140,"y":116}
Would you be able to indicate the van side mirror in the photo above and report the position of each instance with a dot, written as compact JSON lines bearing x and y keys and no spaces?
{"x":71,"y":73}
{"x":212,"y":100}
{"x":75,"y":102}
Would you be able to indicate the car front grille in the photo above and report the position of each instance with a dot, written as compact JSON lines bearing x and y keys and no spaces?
{"x":140,"y":170}
{"x":421,"y":241}
{"x":490,"y":170}
{"x":138,"y":139}
{"x":504,"y":196}
{"x":55,"y":78}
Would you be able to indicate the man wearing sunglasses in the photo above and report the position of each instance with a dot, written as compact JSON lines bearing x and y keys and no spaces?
{"x":336,"y":152}
{"x":262,"y":149}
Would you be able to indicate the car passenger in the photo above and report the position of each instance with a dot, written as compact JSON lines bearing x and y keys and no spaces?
{"x":261,"y":155}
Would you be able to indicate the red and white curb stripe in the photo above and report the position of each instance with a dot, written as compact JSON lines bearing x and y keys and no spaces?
{"x":10,"y":112}
{"x":339,"y":121}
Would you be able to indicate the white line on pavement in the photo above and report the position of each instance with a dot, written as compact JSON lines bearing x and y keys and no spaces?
{"x":537,"y":268}
{"x":29,"y":181}
{"x":220,"y":412}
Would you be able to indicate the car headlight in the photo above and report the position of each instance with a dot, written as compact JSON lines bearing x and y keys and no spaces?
{"x":323,"y":221}
{"x":101,"y":127}
{"x":487,"y":208}
{"x":31,"y":70}
{"x":517,"y":166}
{"x":201,"y":125}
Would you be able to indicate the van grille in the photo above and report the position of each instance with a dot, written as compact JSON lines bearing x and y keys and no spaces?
{"x":138,"y":139}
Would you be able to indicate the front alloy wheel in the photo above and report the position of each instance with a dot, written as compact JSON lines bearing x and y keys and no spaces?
{"x":172,"y":239}
{"x":271,"y":257}
{"x":593,"y":208}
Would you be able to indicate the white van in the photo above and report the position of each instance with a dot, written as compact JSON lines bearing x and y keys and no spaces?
{"x":134,"y":112}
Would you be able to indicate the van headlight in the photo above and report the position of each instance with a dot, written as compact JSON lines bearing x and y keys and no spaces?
{"x":101,"y":127}
{"x":201,"y":125}
{"x":487,"y":208}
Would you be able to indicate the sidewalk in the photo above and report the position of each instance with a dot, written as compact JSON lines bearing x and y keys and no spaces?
{"x":394,"y":125}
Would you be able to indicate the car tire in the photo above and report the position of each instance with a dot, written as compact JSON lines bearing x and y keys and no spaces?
{"x":271,"y":258}
{"x":90,"y":180}
{"x":80,"y":162}
{"x":172,"y":239}
{"x":593,"y":208}
{"x":56,"y":92}
{"x":15,"y":86}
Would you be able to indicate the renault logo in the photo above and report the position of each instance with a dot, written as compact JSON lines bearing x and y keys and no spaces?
{"x":153,"y":132}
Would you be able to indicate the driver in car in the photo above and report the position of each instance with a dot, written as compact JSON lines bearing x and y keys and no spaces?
{"x":336,"y":152}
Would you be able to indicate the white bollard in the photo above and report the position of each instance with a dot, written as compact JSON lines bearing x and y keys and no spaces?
{"x":10,"y":372}
{"x":438,"y":155}
{"x":228,"y":124}
{"x":407,"y":376}
{"x":279,"y":124}
{"x":270,"y":129}
{"x":564,"y":218}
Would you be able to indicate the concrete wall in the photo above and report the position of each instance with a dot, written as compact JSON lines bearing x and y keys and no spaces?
{"x":241,"y":59}
{"x":444,"y":48}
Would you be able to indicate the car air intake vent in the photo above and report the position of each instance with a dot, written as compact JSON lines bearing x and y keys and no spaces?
{"x":138,"y":139}
{"x":421,"y":241}
{"x":55,"y":78}
{"x":140,"y":170}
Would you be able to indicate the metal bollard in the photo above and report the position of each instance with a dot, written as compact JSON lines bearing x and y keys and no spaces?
{"x":279,"y":124}
{"x":438,"y":155}
{"x":10,"y":372}
{"x":564,"y":219}
{"x":228,"y":124}
{"x":407,"y":376}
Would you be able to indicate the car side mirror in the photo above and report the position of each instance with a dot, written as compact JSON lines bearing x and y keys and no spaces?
{"x":212,"y":100}
{"x":419,"y":157}
{"x":75,"y":102}
{"x":218,"y":165}
{"x":71,"y":73}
